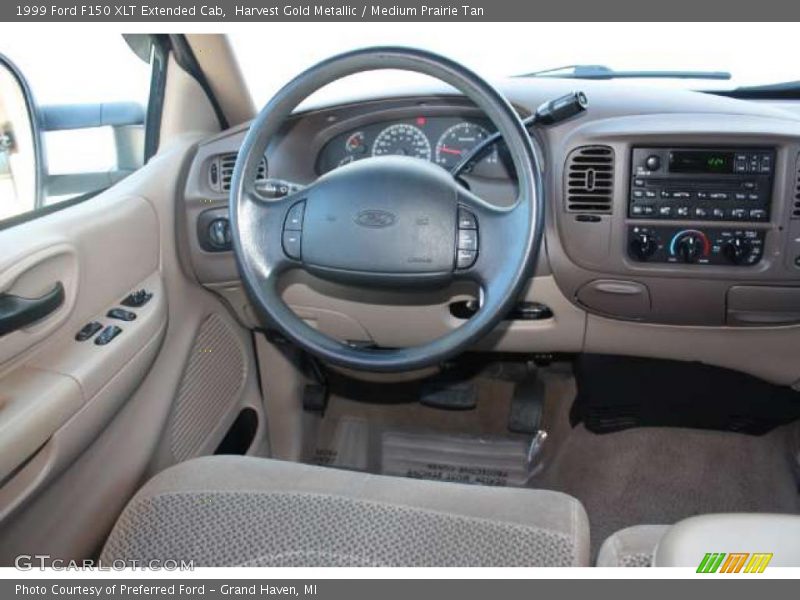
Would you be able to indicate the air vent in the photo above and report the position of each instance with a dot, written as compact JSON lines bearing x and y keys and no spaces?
{"x":590,"y":180}
{"x":220,"y":172}
{"x":796,"y":201}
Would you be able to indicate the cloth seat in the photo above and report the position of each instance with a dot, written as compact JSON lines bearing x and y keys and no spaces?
{"x":631,"y":547}
{"x":241,"y":511}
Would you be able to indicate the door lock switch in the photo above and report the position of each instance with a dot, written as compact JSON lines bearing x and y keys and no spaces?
{"x":121,"y":314}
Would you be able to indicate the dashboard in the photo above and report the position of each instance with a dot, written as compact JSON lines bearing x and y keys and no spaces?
{"x":672,"y":221}
{"x":441,"y":140}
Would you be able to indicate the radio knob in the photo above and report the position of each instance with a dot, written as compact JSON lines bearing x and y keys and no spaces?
{"x":736,"y":250}
{"x":653,"y":163}
{"x":690,"y":247}
{"x":643,"y":246}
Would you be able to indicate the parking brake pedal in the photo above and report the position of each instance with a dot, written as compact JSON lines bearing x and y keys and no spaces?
{"x":315,"y":398}
{"x":315,"y":395}
{"x":527,"y":403}
{"x":449,"y":396}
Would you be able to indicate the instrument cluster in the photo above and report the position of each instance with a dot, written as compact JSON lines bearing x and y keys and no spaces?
{"x":441,"y":140}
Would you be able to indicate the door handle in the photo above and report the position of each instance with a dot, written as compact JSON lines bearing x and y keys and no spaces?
{"x":17,"y":312}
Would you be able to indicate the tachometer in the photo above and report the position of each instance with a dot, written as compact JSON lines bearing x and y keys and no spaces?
{"x":457,"y":141}
{"x":404,"y":140}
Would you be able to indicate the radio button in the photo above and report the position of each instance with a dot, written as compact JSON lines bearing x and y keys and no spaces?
{"x":700,"y":212}
{"x":702,"y":195}
{"x":683,"y":211}
{"x":638,"y":182}
{"x":740,"y":196}
{"x":738,"y":213}
{"x":665,"y":211}
{"x":648,"y":210}
{"x":718,"y":196}
{"x":718,"y":213}
{"x":638,"y":193}
{"x":758,"y":214}
{"x":749,"y":185}
{"x":681,"y":195}
{"x":753,"y":197}
{"x":650,"y":194}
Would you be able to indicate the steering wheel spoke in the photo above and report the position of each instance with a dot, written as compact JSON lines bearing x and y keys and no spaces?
{"x":270,"y":230}
{"x":488,"y":236}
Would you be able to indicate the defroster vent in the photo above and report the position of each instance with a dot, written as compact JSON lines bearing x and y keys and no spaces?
{"x":590,"y":180}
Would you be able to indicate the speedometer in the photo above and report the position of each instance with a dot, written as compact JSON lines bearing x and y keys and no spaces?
{"x":456,"y":142}
{"x":404,"y":140}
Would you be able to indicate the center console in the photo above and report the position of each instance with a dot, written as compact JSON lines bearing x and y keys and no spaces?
{"x":700,"y":185}
{"x":696,"y":229}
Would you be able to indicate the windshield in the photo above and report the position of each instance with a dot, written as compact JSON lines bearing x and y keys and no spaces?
{"x":494,"y":50}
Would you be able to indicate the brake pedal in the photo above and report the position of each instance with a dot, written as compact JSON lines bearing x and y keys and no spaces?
{"x":527,"y":403}
{"x":449,"y":396}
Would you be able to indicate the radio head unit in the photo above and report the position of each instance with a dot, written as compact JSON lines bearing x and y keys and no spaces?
{"x":701,"y":184}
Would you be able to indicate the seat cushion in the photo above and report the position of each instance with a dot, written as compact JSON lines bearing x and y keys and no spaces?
{"x":237,"y":511}
{"x":749,"y":534}
{"x":631,"y":547}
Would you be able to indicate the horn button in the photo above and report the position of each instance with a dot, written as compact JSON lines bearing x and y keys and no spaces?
{"x":384,"y":218}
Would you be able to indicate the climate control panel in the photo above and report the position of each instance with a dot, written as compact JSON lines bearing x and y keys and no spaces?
{"x":702,"y":246}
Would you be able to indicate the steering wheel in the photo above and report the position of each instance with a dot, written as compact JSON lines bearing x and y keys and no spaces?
{"x":386,"y":221}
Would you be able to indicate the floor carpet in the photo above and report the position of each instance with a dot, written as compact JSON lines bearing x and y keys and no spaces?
{"x":660,"y":475}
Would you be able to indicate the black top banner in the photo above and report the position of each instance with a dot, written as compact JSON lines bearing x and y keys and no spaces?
{"x":397,"y":10}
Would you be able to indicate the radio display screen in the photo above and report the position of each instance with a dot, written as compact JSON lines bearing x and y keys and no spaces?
{"x":700,"y":161}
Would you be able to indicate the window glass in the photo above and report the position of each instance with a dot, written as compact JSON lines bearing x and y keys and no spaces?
{"x":91,"y":94}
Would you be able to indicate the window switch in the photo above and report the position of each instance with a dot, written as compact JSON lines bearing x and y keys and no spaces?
{"x":108,"y":334}
{"x":137,"y":299}
{"x":121,"y":314}
{"x":88,"y":331}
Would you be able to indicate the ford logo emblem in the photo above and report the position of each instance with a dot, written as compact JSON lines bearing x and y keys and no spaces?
{"x":375,"y":218}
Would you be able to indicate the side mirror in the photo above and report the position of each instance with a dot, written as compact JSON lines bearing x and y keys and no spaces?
{"x":20,"y":145}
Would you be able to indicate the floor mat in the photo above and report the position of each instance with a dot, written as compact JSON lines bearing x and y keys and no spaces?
{"x":406,"y":438}
{"x":352,"y":443}
{"x":663,"y":475}
{"x":457,"y":458}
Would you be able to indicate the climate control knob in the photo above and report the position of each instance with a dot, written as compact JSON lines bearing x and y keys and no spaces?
{"x":643,"y":245}
{"x":736,"y":250}
{"x":690,"y":246}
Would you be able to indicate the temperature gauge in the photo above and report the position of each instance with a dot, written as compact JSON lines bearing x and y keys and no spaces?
{"x":355,"y":144}
{"x":457,"y":141}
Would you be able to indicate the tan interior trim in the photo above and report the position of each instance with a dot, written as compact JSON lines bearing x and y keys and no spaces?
{"x":186,"y":109}
{"x":216,"y":58}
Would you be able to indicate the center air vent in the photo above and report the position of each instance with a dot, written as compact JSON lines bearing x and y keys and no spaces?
{"x":220,"y":172}
{"x":590,"y":180}
{"x":796,"y":201}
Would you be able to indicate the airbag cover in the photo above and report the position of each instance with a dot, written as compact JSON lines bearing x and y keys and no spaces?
{"x":396,"y":217}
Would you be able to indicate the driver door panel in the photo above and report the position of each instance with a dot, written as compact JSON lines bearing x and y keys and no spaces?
{"x":53,"y":386}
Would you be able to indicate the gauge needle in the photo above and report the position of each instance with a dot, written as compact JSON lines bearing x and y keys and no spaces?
{"x":447,"y":150}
